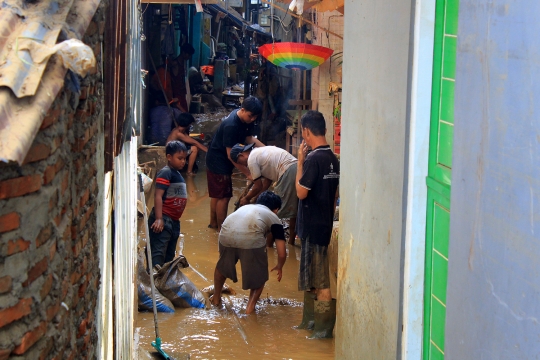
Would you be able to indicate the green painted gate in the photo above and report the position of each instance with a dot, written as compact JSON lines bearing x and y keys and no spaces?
{"x":439,"y":177}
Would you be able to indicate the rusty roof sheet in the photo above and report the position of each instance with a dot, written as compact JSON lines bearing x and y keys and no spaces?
{"x":26,"y":89}
{"x":21,"y":23}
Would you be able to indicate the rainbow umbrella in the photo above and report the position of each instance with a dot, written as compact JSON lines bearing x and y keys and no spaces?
{"x":297,"y":56}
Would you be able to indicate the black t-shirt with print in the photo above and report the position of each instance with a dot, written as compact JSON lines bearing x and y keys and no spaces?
{"x":316,"y":211}
{"x":231,"y":132}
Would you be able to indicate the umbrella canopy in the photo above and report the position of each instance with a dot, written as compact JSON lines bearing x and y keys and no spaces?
{"x":296,"y":56}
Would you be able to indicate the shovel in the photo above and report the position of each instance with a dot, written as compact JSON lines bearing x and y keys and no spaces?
{"x":156,"y":344}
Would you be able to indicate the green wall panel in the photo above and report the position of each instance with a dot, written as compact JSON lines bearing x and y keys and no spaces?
{"x":439,"y":177}
{"x":447,"y":101}
{"x":438,"y":318}
{"x":438,"y":286}
{"x":449,"y":61}
{"x":451,"y":19}
{"x":446,"y":138}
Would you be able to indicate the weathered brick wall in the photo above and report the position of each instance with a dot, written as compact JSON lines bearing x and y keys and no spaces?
{"x":49,"y":267}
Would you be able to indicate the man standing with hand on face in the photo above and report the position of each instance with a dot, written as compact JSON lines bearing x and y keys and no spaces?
{"x":317,"y":180}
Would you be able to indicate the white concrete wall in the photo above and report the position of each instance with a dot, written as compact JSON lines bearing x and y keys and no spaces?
{"x":415,"y":226}
{"x":376,"y":84}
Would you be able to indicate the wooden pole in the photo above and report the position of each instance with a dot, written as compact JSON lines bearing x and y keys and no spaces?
{"x":302,"y":19}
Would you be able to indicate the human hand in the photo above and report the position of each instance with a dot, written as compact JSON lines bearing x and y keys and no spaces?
{"x":244,"y":201}
{"x":279,"y":272}
{"x":157,"y":226}
{"x":302,"y":151}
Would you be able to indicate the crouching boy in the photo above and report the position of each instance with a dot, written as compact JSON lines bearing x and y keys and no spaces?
{"x":169,"y":204}
{"x":243,"y":237}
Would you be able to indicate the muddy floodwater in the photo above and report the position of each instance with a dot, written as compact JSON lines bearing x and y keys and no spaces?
{"x":227,"y":332}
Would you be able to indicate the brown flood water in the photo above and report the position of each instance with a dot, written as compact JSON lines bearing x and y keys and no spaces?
{"x":228,"y":333}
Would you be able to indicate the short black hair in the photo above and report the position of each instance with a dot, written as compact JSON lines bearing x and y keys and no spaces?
{"x":185,"y":119}
{"x":253,"y":105}
{"x":270,"y":200}
{"x":175,"y":146}
{"x":314,"y":121}
{"x":186,"y":48}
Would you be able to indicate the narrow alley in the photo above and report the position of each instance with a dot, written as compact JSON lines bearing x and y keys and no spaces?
{"x":228,"y":333}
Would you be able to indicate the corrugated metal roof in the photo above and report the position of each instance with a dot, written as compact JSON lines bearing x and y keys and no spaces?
{"x":27,"y":91}
{"x":40,"y":22}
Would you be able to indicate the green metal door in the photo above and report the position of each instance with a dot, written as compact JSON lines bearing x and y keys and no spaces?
{"x":439,"y":177}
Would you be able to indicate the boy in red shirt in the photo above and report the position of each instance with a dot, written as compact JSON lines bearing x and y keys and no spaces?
{"x":169,"y":204}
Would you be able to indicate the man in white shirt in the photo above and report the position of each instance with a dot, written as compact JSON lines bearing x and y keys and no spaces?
{"x":266,"y":165}
{"x":243,"y":237}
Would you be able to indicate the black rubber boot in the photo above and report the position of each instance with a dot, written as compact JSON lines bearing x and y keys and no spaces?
{"x":325,"y":319}
{"x":308,"y":318}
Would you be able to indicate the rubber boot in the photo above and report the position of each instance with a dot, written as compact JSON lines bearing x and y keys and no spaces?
{"x":325,"y":319}
{"x":308,"y":319}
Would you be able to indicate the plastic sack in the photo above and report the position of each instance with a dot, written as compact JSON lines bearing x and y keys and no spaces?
{"x":145,"y":292}
{"x":176,"y":286}
{"x":75,"y":55}
{"x":147,"y":182}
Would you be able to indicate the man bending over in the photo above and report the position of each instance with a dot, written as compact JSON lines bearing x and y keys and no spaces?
{"x":243,"y":237}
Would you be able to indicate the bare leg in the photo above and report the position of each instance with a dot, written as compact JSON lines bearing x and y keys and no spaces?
{"x":292,"y":230}
{"x":192,"y":159}
{"x":213,"y":213}
{"x":254,"y":296}
{"x":221,"y":210}
{"x":219,"y":280}
{"x":323,"y":295}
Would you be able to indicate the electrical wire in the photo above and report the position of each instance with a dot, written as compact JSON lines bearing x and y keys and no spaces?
{"x":277,"y":18}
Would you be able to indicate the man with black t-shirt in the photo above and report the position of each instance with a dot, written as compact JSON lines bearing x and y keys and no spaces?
{"x":317,"y":180}
{"x":236,"y":128}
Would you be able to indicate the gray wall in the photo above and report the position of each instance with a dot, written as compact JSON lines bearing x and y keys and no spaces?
{"x":493,"y":307}
{"x":375,"y":116}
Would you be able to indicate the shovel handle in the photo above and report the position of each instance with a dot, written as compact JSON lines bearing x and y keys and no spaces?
{"x":149,"y":256}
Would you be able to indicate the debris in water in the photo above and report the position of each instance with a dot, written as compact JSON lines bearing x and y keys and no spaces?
{"x":225,"y":290}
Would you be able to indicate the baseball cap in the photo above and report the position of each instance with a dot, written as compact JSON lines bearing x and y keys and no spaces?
{"x":239,"y":148}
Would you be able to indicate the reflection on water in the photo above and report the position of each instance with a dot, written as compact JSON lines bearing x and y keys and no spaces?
{"x":227,"y":332}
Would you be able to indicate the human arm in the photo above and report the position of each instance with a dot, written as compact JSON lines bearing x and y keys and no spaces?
{"x":157,"y":226}
{"x":178,"y":133}
{"x":279,"y":236}
{"x":258,"y":187}
{"x":254,"y":140}
{"x":301,"y":191}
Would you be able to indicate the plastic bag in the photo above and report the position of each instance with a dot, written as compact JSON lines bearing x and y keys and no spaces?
{"x":176,"y":286}
{"x":75,"y":55}
{"x":147,"y":182}
{"x":145,"y":292}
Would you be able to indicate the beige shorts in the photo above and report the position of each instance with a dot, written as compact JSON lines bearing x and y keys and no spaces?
{"x":285,"y":188}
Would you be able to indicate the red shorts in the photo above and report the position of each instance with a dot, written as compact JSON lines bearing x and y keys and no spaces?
{"x":219,"y":185}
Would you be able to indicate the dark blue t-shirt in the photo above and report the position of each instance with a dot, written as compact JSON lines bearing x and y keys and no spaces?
{"x":231,"y":132}
{"x":316,"y":211}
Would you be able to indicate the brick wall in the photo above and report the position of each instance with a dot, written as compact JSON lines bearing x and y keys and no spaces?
{"x":49,"y":267}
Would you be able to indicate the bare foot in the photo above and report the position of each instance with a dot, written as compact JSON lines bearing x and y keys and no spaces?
{"x":189,"y":173}
{"x":213,"y":302}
